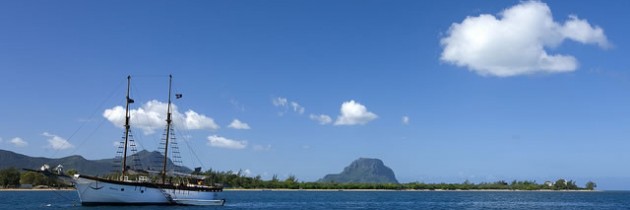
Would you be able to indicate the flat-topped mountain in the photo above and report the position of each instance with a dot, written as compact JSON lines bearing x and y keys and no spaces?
{"x":363,"y":170}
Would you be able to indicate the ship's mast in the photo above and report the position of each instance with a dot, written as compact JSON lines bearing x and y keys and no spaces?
{"x":129,"y":101}
{"x":168,"y":129}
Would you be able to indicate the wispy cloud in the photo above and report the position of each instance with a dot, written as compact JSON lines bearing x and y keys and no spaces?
{"x":237,"y":124}
{"x":18,"y":142}
{"x":285,"y":105}
{"x":222,"y":142}
{"x":237,"y":105}
{"x":515,"y":42}
{"x":247,"y":172}
{"x":279,"y":102}
{"x":405,"y":120}
{"x":297,"y":108}
{"x":353,"y":113}
{"x":262,"y":147}
{"x":152,"y":116}
{"x":56,"y":142}
{"x":322,"y":119}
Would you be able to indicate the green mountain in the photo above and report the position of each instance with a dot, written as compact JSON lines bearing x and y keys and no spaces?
{"x":148,"y":160}
{"x":363,"y":170}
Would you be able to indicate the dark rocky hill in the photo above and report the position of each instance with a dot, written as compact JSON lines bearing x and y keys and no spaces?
{"x":363,"y":170}
{"x":148,"y":160}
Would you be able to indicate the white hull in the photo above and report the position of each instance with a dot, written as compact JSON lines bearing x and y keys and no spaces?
{"x":195,"y":202}
{"x":191,"y":195}
{"x":95,"y":192}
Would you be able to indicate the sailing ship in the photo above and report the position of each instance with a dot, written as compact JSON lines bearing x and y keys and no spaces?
{"x":140,"y":189}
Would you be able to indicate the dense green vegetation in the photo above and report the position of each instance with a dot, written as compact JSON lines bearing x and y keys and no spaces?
{"x":12,"y":178}
{"x":239,"y":180}
{"x":9,"y":177}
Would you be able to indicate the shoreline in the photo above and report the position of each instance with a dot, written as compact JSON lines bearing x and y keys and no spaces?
{"x":329,"y":190}
{"x":34,"y":189}
{"x":405,"y":190}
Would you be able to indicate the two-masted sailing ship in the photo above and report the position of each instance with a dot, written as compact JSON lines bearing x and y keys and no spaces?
{"x":138,"y":189}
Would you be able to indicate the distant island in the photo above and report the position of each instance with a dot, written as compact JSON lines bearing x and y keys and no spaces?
{"x":363,"y":170}
{"x":361,"y":174}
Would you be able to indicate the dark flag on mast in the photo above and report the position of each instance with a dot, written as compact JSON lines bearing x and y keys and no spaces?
{"x":129,"y":100}
{"x":178,"y":95}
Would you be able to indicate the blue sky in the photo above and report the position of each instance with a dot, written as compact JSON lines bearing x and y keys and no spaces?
{"x":440,"y":91}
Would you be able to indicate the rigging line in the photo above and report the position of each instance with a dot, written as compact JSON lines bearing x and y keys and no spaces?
{"x":111,"y":94}
{"x":191,"y":150}
{"x":62,"y":196}
{"x":137,"y":93}
{"x":134,"y":154}
{"x":137,"y":139}
{"x":182,"y":139}
{"x":90,"y":135}
{"x":150,"y":75}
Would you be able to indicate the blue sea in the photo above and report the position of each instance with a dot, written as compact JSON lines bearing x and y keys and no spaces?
{"x":352,"y":200}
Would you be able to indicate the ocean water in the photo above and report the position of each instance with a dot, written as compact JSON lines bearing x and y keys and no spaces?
{"x":352,"y":200}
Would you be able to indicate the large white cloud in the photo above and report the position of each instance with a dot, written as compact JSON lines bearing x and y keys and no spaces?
{"x":515,"y":43}
{"x":222,"y":142}
{"x":237,"y":124}
{"x":152,"y":116}
{"x":353,"y":113}
{"x":56,"y":142}
{"x":18,"y":142}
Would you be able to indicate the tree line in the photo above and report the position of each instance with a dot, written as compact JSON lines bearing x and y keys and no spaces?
{"x":238,"y":179}
{"x":12,"y":178}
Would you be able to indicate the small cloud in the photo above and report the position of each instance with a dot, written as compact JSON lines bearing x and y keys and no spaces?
{"x":196,"y":121}
{"x":297,"y":108}
{"x":306,"y":146}
{"x":56,"y":142}
{"x":222,"y":142}
{"x":247,"y":172}
{"x":237,"y":105}
{"x":515,"y":42}
{"x":405,"y":120}
{"x":279,"y":102}
{"x":353,"y":113}
{"x":18,"y":142}
{"x":262,"y":148}
{"x":237,"y":124}
{"x":322,"y":119}
{"x":285,"y":104}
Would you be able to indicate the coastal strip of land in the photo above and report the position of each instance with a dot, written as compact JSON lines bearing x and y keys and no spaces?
{"x":403,"y":190}
{"x":36,"y":189}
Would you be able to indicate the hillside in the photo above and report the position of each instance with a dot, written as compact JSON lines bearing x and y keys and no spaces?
{"x":363,"y":170}
{"x":84,"y":166}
